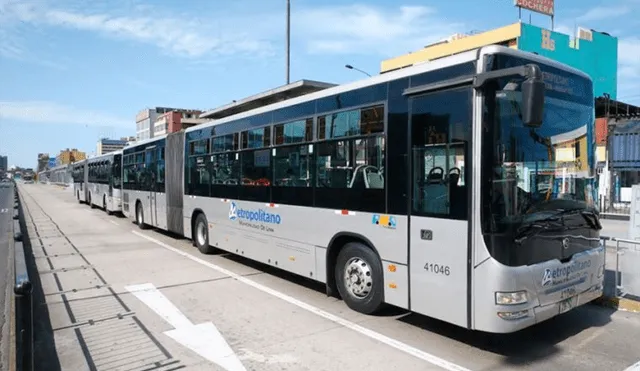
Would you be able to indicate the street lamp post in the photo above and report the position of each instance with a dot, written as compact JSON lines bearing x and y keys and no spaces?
{"x":356,"y":69}
{"x":288,"y":39}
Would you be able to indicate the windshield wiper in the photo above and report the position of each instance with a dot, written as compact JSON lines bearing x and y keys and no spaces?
{"x":529,"y":229}
{"x":591,"y":218}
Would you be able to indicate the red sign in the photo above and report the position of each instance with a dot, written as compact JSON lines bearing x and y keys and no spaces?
{"x":540,"y":6}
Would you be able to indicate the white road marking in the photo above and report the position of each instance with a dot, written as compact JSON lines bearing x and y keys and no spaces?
{"x":204,"y":339}
{"x":635,"y":367}
{"x":437,"y":361}
{"x":114,"y":222}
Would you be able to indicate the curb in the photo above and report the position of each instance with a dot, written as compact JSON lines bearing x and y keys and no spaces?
{"x":624,"y":304}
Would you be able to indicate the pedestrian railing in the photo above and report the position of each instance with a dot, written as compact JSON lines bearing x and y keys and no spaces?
{"x":23,"y":295}
{"x":626,"y":266}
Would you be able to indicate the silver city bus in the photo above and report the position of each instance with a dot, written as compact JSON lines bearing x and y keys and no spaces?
{"x":143,"y":196}
{"x":79,"y":175}
{"x":462,"y":189}
{"x":104,"y":182}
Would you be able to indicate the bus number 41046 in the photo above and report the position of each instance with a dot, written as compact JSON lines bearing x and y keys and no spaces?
{"x":437,"y":269}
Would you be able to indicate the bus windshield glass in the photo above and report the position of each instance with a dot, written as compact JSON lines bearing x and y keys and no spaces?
{"x":537,"y":182}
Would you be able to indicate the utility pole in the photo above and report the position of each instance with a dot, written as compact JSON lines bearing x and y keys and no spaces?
{"x":288,"y":39}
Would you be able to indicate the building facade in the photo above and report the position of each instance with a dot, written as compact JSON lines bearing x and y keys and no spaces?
{"x":177,"y":120}
{"x":68,"y":156}
{"x":145,"y":121}
{"x":43,"y":162}
{"x":106,"y":145}
{"x":595,"y":53}
{"x":4,"y":163}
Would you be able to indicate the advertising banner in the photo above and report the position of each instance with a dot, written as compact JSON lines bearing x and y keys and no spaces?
{"x":538,"y":6}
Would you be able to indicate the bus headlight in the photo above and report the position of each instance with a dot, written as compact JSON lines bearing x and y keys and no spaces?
{"x":511,"y":298}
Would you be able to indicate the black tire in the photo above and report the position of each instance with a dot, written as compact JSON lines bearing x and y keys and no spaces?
{"x":78,"y":197}
{"x":367,"y":263}
{"x":91,"y":202}
{"x":140,"y":216}
{"x":201,"y":235}
{"x":104,"y":205}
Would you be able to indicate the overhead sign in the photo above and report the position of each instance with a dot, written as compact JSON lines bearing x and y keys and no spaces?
{"x":539,"y":6}
{"x":52,"y":162}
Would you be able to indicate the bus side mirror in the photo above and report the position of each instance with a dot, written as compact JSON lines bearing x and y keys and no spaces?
{"x":533,"y":102}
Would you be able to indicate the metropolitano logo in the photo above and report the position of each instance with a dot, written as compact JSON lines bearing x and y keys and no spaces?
{"x":233,"y":211}
{"x":249,"y":215}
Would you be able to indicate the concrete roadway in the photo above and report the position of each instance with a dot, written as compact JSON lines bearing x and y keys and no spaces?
{"x":272,"y":321}
{"x":6,"y":264}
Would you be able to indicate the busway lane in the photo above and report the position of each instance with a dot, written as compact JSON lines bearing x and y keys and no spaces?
{"x":264,"y":331}
{"x":589,"y":338}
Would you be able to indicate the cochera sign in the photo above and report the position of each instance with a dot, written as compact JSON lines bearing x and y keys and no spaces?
{"x":539,"y":6}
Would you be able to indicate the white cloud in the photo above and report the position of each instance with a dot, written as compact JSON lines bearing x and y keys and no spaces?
{"x":603,"y":13}
{"x":356,"y":29}
{"x":54,"y":113}
{"x":181,"y":35}
{"x":629,"y":69}
{"x":369,"y":29}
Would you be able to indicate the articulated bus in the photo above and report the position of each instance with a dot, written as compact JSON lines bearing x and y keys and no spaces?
{"x":60,"y":175}
{"x":415,"y":188}
{"x":99,"y":181}
{"x":79,"y":175}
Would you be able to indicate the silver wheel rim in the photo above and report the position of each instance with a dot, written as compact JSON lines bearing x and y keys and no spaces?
{"x":201,"y":234}
{"x":139,"y":215}
{"x":358,"y":278}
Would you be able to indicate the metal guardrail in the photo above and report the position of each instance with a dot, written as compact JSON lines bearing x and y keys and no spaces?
{"x":628,"y":268}
{"x":23,"y":296}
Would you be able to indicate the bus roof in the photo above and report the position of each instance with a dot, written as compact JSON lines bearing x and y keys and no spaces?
{"x":460,"y":58}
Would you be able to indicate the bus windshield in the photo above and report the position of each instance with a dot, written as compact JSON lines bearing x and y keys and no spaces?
{"x":538,"y":182}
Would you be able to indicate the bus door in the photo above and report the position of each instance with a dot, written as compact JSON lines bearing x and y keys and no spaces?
{"x":440,"y":133}
{"x":150,"y":165}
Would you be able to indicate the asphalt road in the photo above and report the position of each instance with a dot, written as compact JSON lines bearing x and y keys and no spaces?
{"x":6,"y":236}
{"x":117,"y":296}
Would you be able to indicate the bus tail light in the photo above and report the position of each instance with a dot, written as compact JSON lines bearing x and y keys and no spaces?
{"x":511,"y":298}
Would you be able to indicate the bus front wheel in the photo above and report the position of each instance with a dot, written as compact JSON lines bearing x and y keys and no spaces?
{"x":359,"y":278}
{"x":201,"y":235}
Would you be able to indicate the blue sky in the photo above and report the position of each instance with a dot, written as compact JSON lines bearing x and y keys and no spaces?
{"x":72,"y":71}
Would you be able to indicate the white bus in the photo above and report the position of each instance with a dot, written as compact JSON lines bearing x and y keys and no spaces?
{"x":58,"y":175}
{"x":403,"y":189}
{"x":104,"y":182}
{"x":79,"y":175}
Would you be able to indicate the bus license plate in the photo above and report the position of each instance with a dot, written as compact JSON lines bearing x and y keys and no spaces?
{"x":567,"y":305}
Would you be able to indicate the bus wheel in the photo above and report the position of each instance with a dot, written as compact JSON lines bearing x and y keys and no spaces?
{"x":140,"y":216}
{"x":91,"y":202}
{"x":359,"y":278}
{"x":201,"y":235}
{"x":78,"y":196}
{"x":104,"y":205}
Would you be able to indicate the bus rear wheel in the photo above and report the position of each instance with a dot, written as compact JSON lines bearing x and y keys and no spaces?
{"x":359,"y":277}
{"x":140,"y":216}
{"x":201,"y":235}
{"x":104,"y":205}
